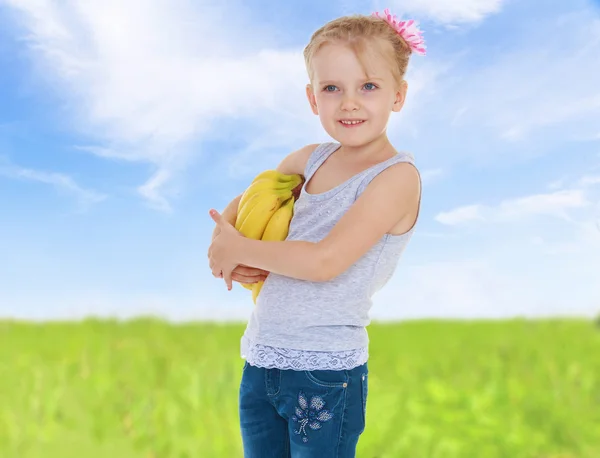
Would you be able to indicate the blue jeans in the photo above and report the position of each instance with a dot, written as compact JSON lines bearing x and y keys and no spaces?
{"x":302,"y":414}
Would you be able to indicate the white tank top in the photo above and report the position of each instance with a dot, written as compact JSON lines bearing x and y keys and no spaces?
{"x":304,"y":325}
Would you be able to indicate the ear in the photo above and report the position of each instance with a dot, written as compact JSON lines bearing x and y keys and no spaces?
{"x":400,"y":96}
{"x":310,"y":95}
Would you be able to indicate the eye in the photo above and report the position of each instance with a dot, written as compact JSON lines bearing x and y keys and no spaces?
{"x":329,"y":88}
{"x":370,"y":86}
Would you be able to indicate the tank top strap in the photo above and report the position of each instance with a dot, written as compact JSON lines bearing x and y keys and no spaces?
{"x":317,"y":157}
{"x":377,"y":169}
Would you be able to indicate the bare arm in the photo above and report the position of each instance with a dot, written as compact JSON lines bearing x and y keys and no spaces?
{"x":229,"y":213}
{"x":242,"y":273}
{"x":390,"y":197}
{"x":295,"y":163}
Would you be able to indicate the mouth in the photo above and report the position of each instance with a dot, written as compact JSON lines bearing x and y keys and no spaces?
{"x":351,"y":122}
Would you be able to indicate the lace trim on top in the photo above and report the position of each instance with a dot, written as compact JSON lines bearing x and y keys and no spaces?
{"x":285,"y":358}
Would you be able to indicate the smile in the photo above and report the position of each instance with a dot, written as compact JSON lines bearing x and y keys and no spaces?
{"x":351,"y":122}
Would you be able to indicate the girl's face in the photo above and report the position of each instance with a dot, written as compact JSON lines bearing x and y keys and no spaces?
{"x":354,"y":109}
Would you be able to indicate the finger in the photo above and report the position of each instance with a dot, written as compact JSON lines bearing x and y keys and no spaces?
{"x":241,"y":278}
{"x":242,"y":270}
{"x":255,"y":271}
{"x":245,"y":270}
{"x":228,"y":280}
{"x":216,"y":271}
{"x":245,"y":278}
{"x":216,"y":216}
{"x":249,"y":271}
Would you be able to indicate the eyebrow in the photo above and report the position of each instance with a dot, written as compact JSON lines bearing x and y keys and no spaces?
{"x":327,"y":82}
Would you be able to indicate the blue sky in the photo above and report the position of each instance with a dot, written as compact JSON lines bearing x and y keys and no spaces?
{"x":120,"y":126}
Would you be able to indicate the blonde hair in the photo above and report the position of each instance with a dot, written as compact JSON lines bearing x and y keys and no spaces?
{"x":360,"y":32}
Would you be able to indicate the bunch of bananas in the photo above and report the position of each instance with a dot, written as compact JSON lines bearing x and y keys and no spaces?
{"x":266,"y":209}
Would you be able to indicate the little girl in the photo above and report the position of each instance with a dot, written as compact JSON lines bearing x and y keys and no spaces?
{"x":304,"y":386}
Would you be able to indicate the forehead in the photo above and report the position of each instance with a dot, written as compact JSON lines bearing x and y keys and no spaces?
{"x":340,"y":61}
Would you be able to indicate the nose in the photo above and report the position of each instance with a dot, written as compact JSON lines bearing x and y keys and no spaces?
{"x":349,"y":103}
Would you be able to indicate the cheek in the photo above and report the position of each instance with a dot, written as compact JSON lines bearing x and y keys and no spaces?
{"x":378,"y":102}
{"x":326,"y":104}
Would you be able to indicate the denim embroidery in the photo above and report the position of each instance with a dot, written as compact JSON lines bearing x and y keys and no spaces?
{"x":310,"y":415}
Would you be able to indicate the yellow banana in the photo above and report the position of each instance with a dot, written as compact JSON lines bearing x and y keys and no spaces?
{"x":265,"y":184}
{"x":259,"y":199}
{"x":277,"y":230}
{"x":277,"y":227}
{"x":256,"y":287}
{"x":273,"y":175}
{"x":254,"y":224}
{"x":279,"y":224}
{"x":244,"y":211}
{"x":265,"y":210}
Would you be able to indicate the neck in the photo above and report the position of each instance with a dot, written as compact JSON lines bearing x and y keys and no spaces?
{"x":378,"y":147}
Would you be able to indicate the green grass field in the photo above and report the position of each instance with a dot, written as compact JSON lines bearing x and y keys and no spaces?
{"x":145,"y":388}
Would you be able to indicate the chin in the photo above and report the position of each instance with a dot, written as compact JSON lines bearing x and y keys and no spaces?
{"x":352,"y":139}
{"x":353,"y":142}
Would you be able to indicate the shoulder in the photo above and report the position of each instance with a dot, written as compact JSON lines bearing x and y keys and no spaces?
{"x":398,"y":182}
{"x":405,"y":171}
{"x":295,"y":162}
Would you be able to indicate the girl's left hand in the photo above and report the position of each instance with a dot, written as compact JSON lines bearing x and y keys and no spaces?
{"x":222,"y":251}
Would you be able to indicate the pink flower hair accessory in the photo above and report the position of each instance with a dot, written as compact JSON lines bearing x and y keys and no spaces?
{"x":409,"y":30}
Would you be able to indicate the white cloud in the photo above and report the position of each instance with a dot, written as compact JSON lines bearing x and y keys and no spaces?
{"x":589,"y":180}
{"x":536,"y":90}
{"x":557,"y":184}
{"x":541,"y":269}
{"x":556,"y":248}
{"x":151,"y":190}
{"x":461,"y":215}
{"x":64,"y":183}
{"x":534,"y":267}
{"x":528,"y":284}
{"x":428,"y":176}
{"x":36,"y":306}
{"x":556,"y":204}
{"x":466,"y":289}
{"x":445,"y":11}
{"x":146,"y":79}
{"x":142,"y":83}
{"x":460,"y":289}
